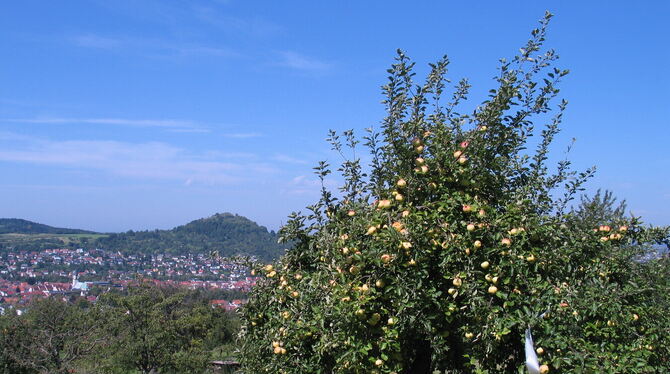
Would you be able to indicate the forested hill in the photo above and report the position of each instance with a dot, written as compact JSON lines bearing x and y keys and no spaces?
{"x":22,"y":226}
{"x":227,"y":233}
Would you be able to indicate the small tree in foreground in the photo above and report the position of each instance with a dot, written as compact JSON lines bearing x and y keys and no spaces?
{"x":458,"y":240}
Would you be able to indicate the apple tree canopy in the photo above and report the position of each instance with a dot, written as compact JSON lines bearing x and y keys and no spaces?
{"x":455,"y":239}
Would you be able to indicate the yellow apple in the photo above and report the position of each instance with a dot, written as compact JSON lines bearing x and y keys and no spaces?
{"x":485,"y":265}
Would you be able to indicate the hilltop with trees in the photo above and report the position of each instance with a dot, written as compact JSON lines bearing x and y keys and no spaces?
{"x":226,"y":233}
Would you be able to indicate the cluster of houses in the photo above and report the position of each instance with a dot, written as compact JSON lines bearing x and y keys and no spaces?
{"x":80,"y":271}
{"x":98,"y":263}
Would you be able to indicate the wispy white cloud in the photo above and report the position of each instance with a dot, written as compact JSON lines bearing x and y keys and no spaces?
{"x":242,"y":135}
{"x":304,"y":185}
{"x":169,"y":124}
{"x":299,"y":61}
{"x":97,"y":41}
{"x":150,"y":160}
{"x":255,"y":26}
{"x":288,"y":159}
{"x":151,"y":47}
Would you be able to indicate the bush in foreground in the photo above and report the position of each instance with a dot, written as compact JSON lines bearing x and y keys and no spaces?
{"x":457,"y":240}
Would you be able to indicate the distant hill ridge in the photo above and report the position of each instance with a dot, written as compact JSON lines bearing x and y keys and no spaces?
{"x":229,"y":234}
{"x":22,"y":226}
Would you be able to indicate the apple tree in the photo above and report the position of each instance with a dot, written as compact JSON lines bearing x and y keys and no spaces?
{"x":457,"y":238}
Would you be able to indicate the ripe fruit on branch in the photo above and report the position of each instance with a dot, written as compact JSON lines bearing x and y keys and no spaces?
{"x":351,"y":213}
{"x":458,"y":154}
{"x":419,"y":161}
{"x":399,"y":197}
{"x":471,"y":227}
{"x":383,"y":204}
{"x":457,"y":282}
{"x":371,"y":230}
{"x":506,"y":242}
{"x":462,"y":160}
{"x":485,"y":265}
{"x":469,"y":335}
{"x":401,"y":183}
{"x":492,"y":290}
{"x":467,"y":208}
{"x":544,"y":369}
{"x":477,"y":243}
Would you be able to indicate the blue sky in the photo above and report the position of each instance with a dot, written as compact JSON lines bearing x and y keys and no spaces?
{"x":118,"y":115}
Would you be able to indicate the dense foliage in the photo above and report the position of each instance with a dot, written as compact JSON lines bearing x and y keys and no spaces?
{"x":146,"y":329}
{"x":226,"y":233}
{"x":457,"y":240}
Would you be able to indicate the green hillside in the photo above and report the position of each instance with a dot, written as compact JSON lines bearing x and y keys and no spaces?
{"x":22,"y":226}
{"x":227,"y":233}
